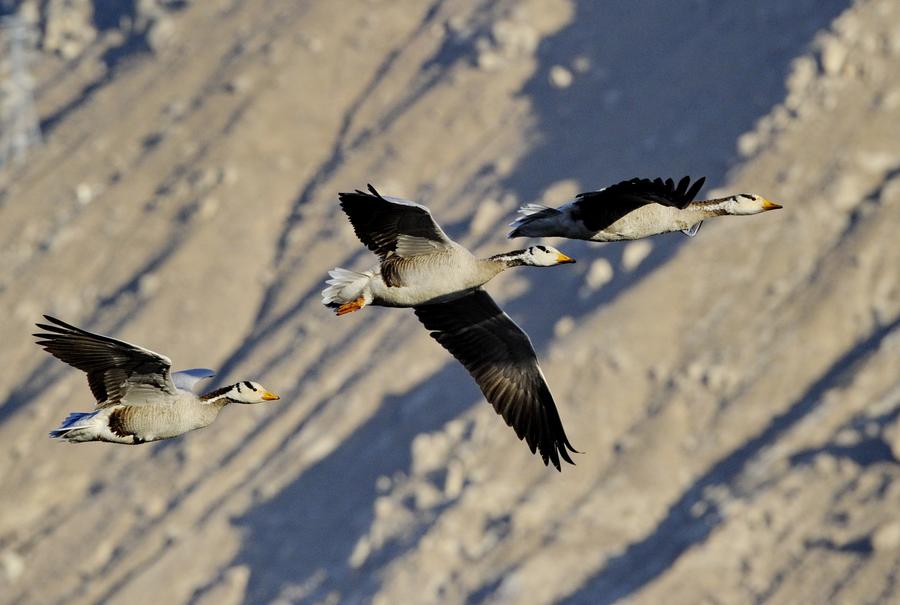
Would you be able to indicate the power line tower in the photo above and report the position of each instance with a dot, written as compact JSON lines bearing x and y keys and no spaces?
{"x":19,"y":126}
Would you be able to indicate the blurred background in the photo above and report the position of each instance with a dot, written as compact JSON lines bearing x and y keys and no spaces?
{"x":168,"y":175}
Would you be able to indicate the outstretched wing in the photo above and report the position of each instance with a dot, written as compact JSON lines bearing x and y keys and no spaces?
{"x":600,"y":209}
{"x":499,"y":356}
{"x":117,"y":371}
{"x":187,"y":380}
{"x":389,"y":225}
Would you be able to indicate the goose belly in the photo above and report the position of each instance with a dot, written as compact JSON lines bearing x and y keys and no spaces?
{"x":645,"y":221}
{"x":421,"y":283}
{"x":155,"y":422}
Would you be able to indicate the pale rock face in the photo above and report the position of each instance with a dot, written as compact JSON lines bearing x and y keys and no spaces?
{"x":69,"y":29}
{"x":737,"y":405}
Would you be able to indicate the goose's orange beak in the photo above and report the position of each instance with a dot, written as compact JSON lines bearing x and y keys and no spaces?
{"x":267,"y":396}
{"x":770,"y":205}
{"x":562,"y":259}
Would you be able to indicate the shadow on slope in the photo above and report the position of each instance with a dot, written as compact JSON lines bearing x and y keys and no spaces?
{"x":667,"y":90}
{"x":306,"y":534}
{"x":644,"y":561}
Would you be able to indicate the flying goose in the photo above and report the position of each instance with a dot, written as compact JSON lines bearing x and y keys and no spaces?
{"x":632,"y":210}
{"x":138,"y":398}
{"x":424,"y":269}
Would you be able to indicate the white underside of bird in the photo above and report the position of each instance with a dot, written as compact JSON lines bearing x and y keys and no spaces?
{"x":431,"y":277}
{"x":183,"y":413}
{"x":652,"y":219}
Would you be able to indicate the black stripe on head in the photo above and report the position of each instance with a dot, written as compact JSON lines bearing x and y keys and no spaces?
{"x":217,"y":392}
{"x":249,"y":386}
{"x":746,"y":195}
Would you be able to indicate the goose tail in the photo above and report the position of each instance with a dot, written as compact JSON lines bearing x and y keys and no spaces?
{"x":347,"y":289}
{"x":78,"y":426}
{"x":529,"y":223}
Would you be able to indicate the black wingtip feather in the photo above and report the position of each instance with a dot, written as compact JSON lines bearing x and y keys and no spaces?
{"x":59,"y":324}
{"x":695,"y":188}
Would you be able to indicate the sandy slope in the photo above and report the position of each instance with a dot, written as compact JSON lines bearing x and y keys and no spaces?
{"x":736,"y":395}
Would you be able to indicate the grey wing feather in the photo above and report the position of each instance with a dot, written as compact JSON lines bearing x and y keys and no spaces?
{"x":383,"y":223}
{"x":115,"y":368}
{"x":187,"y":380}
{"x":501,"y":359}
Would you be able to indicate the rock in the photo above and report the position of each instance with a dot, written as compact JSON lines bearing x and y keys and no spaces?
{"x":891,"y":434}
{"x":148,"y":284}
{"x":488,"y":60}
{"x":429,"y":452}
{"x":455,"y":481}
{"x":564,"y":326}
{"x":887,"y":537}
{"x":84,"y":193}
{"x":68,"y":27}
{"x":160,"y":33}
{"x":600,"y":274}
{"x":486,"y":216}
{"x":748,"y":144}
{"x":427,"y":496}
{"x":514,"y":39}
{"x":635,"y":253}
{"x":581,"y":64}
{"x":560,"y":77}
{"x":833,"y":54}
{"x":801,"y":78}
{"x":12,"y":564}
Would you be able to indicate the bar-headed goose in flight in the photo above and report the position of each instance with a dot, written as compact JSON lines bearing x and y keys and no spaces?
{"x":424,"y":269}
{"x":632,"y":210}
{"x":138,"y":398}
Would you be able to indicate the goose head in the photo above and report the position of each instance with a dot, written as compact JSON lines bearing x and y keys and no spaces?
{"x":535,"y":256}
{"x":544,"y":256}
{"x":748,"y":203}
{"x":249,"y":392}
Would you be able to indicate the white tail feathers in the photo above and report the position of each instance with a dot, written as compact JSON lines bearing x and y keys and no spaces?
{"x":345,"y":286}
{"x":79,"y":426}
{"x":529,"y":209}
{"x":527,"y":225}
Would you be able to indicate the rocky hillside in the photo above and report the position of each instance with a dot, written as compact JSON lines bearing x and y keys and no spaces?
{"x":736,"y":396}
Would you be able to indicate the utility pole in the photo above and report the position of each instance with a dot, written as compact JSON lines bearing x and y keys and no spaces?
{"x":19,"y":126}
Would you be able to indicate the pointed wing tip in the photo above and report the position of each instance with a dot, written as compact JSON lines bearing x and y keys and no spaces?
{"x":562,"y":453}
{"x":347,"y":195}
{"x":56,"y":321}
{"x":48,"y":328}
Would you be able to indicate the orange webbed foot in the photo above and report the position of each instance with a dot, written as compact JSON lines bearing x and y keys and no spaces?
{"x":351,"y":306}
